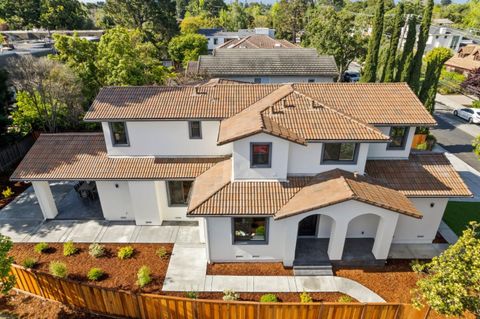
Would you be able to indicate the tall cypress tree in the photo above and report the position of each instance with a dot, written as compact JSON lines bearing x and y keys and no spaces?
{"x":371,"y":62}
{"x":414,"y":81}
{"x":405,"y":62}
{"x":389,"y":68}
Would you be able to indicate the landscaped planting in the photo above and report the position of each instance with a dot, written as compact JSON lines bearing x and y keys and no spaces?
{"x":230,"y":295}
{"x":96,"y":250}
{"x":95,"y":274}
{"x":29,"y":262}
{"x":162,"y":252}
{"x":58,"y":269}
{"x":69,"y":249}
{"x":41,"y":248}
{"x":144,"y":276}
{"x":125,"y":252}
{"x":305,"y":297}
{"x":268,"y":298}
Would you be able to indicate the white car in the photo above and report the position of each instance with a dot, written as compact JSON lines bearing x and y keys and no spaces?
{"x":469,"y":114}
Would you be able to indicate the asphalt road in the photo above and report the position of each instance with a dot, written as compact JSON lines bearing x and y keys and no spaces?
{"x":456,"y":135}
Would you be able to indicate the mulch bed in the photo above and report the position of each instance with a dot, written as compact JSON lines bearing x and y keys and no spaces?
{"x":282,"y":296}
{"x":17,"y":188}
{"x":120,"y":274}
{"x":249,"y":269}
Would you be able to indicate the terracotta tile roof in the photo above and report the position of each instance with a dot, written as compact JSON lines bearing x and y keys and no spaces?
{"x":84,"y":157}
{"x":217,"y":81}
{"x":422,"y":175}
{"x":467,"y":58}
{"x":373,"y":103}
{"x":297,"y":195}
{"x":257,"y":41}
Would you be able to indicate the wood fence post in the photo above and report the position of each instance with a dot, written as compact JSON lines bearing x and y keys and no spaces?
{"x":38,"y":284}
{"x":427,"y":313}
{"x":320,"y":311}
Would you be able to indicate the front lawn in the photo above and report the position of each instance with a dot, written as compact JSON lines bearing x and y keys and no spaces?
{"x":459,"y":214}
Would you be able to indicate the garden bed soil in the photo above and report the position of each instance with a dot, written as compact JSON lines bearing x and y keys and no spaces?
{"x":249,"y":269}
{"x":120,"y":274}
{"x":282,"y":296}
{"x":17,"y":189}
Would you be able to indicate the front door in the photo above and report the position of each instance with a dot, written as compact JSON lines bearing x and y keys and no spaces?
{"x":308,"y":226}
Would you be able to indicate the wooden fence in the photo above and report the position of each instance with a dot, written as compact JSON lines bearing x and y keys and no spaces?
{"x":147,"y":306}
{"x":12,"y":154}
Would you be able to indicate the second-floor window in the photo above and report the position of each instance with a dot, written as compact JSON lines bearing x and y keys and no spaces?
{"x":215,"y":41}
{"x":340,"y":152}
{"x":178,"y":192}
{"x":118,"y":130}
{"x":260,"y":155}
{"x":195,"y":129}
{"x":398,"y":135}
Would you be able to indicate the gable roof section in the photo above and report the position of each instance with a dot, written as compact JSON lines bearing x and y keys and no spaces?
{"x":257,"y":41}
{"x":83,"y":156}
{"x":373,"y":103}
{"x":267,"y":62}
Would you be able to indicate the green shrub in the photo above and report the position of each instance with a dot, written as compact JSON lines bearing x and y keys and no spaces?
{"x":450,"y":82}
{"x":191,"y":294}
{"x":69,"y":249}
{"x":58,"y":269}
{"x":125,"y":252}
{"x":144,"y":276}
{"x":161,"y":252}
{"x":40,"y":248}
{"x":29,"y":262}
{"x":230,"y":295}
{"x":422,"y":146}
{"x":95,"y":274}
{"x":7,"y":192}
{"x":268,"y":298}
{"x":305,"y":297}
{"x":476,"y":104}
{"x":345,"y":298}
{"x":96,"y":250}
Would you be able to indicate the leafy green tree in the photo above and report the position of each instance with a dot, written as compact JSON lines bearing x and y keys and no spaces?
{"x":450,"y":283}
{"x":187,"y":47}
{"x":7,"y":280}
{"x":23,"y":14}
{"x":334,"y":33}
{"x":260,"y":16}
{"x":389,"y":68}
{"x":435,"y":60}
{"x":288,"y":17}
{"x":405,"y":62}
{"x":211,"y":8}
{"x":371,"y":61}
{"x":414,"y":80}
{"x":62,"y":14}
{"x":235,"y":17}
{"x":181,"y":8}
{"x":471,"y":18}
{"x":191,"y":24}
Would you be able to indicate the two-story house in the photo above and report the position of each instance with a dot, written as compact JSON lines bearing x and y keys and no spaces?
{"x":296,"y":173}
{"x":217,"y":36}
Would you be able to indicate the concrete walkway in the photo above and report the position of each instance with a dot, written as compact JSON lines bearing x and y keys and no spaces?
{"x":188,"y":267}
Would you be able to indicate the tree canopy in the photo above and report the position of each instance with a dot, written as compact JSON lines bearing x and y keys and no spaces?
{"x":371,"y":61}
{"x":187,"y":47}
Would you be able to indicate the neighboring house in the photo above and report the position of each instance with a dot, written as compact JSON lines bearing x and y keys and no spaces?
{"x":268,"y":171}
{"x":217,"y":37}
{"x":266,"y":65}
{"x":443,"y":22}
{"x":441,"y":37}
{"x":258,"y":41}
{"x":465,"y":60}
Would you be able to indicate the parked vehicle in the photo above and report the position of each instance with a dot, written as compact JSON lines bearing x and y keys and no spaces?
{"x":469,"y":114}
{"x":351,"y":76}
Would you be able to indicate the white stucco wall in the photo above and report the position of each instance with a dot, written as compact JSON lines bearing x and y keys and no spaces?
{"x":169,"y":212}
{"x":145,"y":202}
{"x":281,"y":79}
{"x":379,"y":150}
{"x":167,"y":138}
{"x":412,"y":230}
{"x":115,"y":201}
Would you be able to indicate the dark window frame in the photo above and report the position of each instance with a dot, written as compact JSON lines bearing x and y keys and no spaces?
{"x":112,"y":134}
{"x":251,"y":242}
{"x":169,"y":202}
{"x":190,"y":135}
{"x":311,"y":81}
{"x":270,"y":151}
{"x":404,"y":141}
{"x":257,"y":82}
{"x":335,"y":162}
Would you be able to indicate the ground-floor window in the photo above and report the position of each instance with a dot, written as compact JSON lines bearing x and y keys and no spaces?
{"x":178,"y":192}
{"x":250,"y":230}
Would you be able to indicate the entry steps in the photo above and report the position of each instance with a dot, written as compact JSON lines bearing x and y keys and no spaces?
{"x":317,"y":270}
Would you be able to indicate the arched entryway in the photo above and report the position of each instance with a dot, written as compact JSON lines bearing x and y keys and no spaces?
{"x":361,"y":233}
{"x":313,"y":236}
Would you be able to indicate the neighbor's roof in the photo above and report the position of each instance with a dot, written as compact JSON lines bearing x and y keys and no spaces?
{"x":84,"y":157}
{"x":219,"y":32}
{"x":373,"y":103}
{"x":422,"y":175}
{"x":295,"y":196}
{"x":257,"y":41}
{"x":267,"y":62}
{"x":467,"y":58}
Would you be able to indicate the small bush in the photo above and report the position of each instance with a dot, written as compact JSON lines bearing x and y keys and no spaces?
{"x":58,"y":269}
{"x":422,"y":146}
{"x":476,"y":104}
{"x":230,"y":295}
{"x":29,"y":262}
{"x":268,"y":298}
{"x":144,"y":276}
{"x":345,"y":299}
{"x":7,"y":192}
{"x":305,"y":297}
{"x":161,"y":252}
{"x":40,"y":248}
{"x":95,"y":274}
{"x":125,"y":252}
{"x":96,"y":250}
{"x":69,"y":249}
{"x":191,"y":294}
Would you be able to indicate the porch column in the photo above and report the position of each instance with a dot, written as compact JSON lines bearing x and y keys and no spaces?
{"x":290,"y":242}
{"x":202,"y":225}
{"x":337,"y":239}
{"x":384,"y":236}
{"x":45,"y":199}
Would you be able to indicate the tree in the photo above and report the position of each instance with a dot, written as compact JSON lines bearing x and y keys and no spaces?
{"x":49,"y":94}
{"x":62,"y":14}
{"x":191,"y":24}
{"x":260,"y":16}
{"x":235,"y":17}
{"x":187,"y":47}
{"x":391,"y":58}
{"x":7,"y":281}
{"x":472,"y":83}
{"x":445,"y":2}
{"x":471,"y":18}
{"x":20,"y":14}
{"x":371,"y":61}
{"x":405,"y":63}
{"x":414,"y":80}
{"x":450,"y":283}
{"x":288,"y":17}
{"x":435,"y":60}
{"x":334,"y":33}
{"x":181,"y":8}
{"x":211,"y":8}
